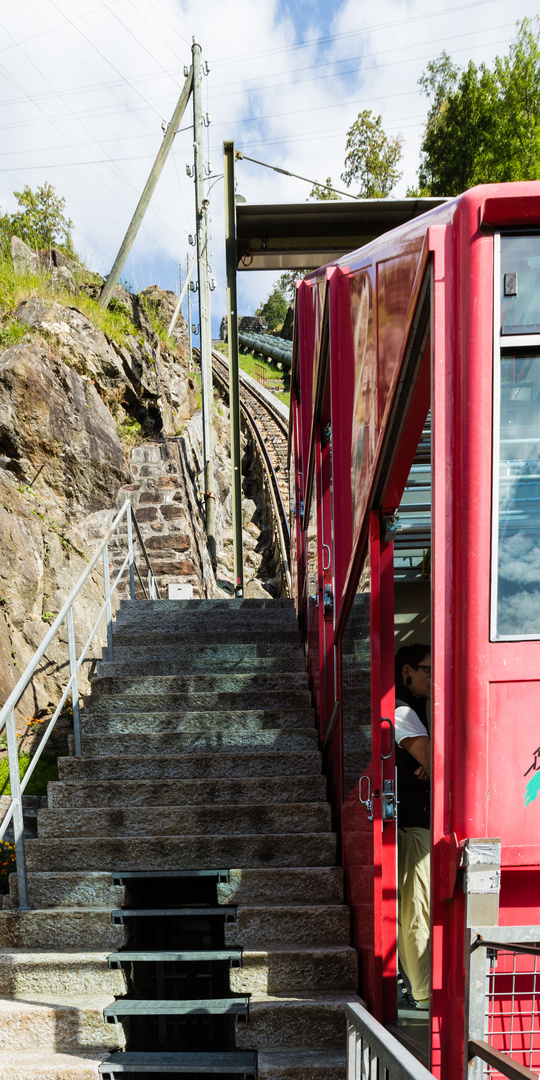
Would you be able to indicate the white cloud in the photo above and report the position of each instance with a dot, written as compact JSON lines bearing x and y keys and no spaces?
{"x":85,"y":85}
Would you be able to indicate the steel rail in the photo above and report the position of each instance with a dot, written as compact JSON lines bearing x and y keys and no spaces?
{"x":221,"y":373}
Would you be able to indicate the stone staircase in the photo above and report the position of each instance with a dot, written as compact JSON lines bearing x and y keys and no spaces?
{"x":187,"y":912}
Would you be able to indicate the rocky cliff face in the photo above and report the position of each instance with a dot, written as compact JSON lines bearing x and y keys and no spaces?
{"x":75,"y":394}
{"x":71,"y":399}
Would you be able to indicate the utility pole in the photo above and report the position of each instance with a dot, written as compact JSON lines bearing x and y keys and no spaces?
{"x":189,"y":321}
{"x":202,"y":207}
{"x":144,"y":200}
{"x":234,"y":389}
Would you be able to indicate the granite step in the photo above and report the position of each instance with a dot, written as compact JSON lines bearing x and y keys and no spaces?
{"x":177,"y":664}
{"x":192,"y":635}
{"x":248,"y":700}
{"x":216,"y":742}
{"x":205,"y":655}
{"x":199,"y":720}
{"x":301,"y":1064}
{"x":221,"y":683}
{"x":47,"y":1065}
{"x":74,"y":928}
{"x":278,"y":970}
{"x":151,"y":793}
{"x":252,"y":887}
{"x":255,"y":887}
{"x":300,"y":925}
{"x":186,"y":766}
{"x":175,"y":852}
{"x":42,"y":972}
{"x":295,"y":1021}
{"x":146,"y":821}
{"x":57,"y":1022}
{"x":171,"y":1063}
{"x":71,"y":889}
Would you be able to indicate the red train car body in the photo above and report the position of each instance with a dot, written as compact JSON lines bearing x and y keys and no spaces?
{"x":427,"y":342}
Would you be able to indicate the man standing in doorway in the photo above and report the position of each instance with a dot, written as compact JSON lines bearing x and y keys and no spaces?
{"x":413,"y":761}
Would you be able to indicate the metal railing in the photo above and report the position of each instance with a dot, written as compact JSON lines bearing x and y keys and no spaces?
{"x":7,"y":714}
{"x":503,"y":1002}
{"x":374,"y":1054}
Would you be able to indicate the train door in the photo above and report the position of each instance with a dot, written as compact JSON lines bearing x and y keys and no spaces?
{"x":368,"y":811}
{"x":367,"y":648}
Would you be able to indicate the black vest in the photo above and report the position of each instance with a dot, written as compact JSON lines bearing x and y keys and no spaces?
{"x":413,"y":794}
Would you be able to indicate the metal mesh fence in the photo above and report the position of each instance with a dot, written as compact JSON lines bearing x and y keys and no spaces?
{"x":512,"y":1007}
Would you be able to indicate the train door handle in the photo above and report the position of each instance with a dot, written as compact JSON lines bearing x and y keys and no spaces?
{"x":367,"y":802}
{"x":387,"y":720}
{"x":327,"y":546}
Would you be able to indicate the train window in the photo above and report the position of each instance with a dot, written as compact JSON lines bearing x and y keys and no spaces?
{"x":517,"y":585}
{"x":356,"y":686}
{"x":520,"y":284}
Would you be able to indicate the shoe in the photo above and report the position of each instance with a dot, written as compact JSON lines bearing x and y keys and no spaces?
{"x":422,"y":1005}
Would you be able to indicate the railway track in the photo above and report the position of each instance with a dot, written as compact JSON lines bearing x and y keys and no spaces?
{"x":270,"y":433}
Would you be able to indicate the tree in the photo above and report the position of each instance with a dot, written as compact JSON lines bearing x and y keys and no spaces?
{"x":483,"y":125}
{"x":323,"y":193}
{"x":372,"y":157}
{"x":41,"y":221}
{"x":274,"y":309}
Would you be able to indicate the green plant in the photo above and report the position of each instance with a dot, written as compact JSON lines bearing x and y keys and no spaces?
{"x":45,"y":770}
{"x":11,"y":333}
{"x":130,"y":431}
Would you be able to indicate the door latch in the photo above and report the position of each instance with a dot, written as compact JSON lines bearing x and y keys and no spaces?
{"x":328,"y":601}
{"x":389,"y":801}
{"x":367,"y":802}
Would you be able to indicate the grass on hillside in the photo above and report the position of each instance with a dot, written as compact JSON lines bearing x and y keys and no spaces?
{"x":16,"y":286}
{"x":248,"y":362}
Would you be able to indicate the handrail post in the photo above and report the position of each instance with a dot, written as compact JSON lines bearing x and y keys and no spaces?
{"x":130,"y":549}
{"x":107,"y":587}
{"x":18,"y":816}
{"x":74,"y":682}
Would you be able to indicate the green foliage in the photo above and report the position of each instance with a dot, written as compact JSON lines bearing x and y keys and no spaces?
{"x":483,"y":125}
{"x":41,"y":221}
{"x":286,"y":283}
{"x":45,"y":770}
{"x":324,"y":192}
{"x":11,"y":333}
{"x":372,"y":157}
{"x":274,"y":309}
{"x":130,"y":431}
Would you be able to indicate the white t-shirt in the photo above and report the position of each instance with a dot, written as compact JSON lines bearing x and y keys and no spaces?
{"x":408,"y":725}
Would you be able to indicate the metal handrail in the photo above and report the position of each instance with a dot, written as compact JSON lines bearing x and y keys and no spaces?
{"x":503,"y":1063}
{"x":7,"y":713}
{"x":368,"y":1043}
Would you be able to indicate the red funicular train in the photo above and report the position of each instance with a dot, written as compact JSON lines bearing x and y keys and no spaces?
{"x":415,"y":488}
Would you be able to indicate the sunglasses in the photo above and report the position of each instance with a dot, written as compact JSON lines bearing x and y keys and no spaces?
{"x":424,"y":667}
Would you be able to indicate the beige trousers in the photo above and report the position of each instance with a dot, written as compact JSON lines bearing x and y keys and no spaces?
{"x":413,"y":908}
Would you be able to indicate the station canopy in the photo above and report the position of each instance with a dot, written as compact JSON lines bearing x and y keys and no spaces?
{"x":303,"y":236}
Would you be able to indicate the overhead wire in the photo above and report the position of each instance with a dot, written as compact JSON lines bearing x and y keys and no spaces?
{"x":352,"y":33}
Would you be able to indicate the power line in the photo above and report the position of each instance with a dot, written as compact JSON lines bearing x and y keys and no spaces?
{"x":352,"y":33}
{"x":351,"y":59}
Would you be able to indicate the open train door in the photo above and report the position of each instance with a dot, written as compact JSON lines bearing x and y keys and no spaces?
{"x":369,"y":828}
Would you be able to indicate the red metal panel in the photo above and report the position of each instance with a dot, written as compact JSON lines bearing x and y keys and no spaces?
{"x":447,"y":1009}
{"x":519,"y":210}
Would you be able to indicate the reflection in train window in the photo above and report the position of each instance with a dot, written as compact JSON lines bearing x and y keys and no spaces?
{"x":518,"y":556}
{"x":356,"y":686}
{"x":520,"y":284}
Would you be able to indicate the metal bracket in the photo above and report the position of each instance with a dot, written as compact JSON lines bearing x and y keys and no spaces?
{"x":389,"y":801}
{"x":389,"y":526}
{"x":328,"y":600}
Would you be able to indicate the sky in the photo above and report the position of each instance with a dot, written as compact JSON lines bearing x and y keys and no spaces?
{"x":86,"y":85}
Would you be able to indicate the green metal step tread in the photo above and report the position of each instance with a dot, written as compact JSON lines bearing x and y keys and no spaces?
{"x":120,"y":914}
{"x":171,"y":1007}
{"x":234,"y":1062}
{"x":234,"y":956}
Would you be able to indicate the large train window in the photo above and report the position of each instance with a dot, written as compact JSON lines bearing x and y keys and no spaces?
{"x":515,"y":612}
{"x":356,"y":686}
{"x":520,"y":285}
